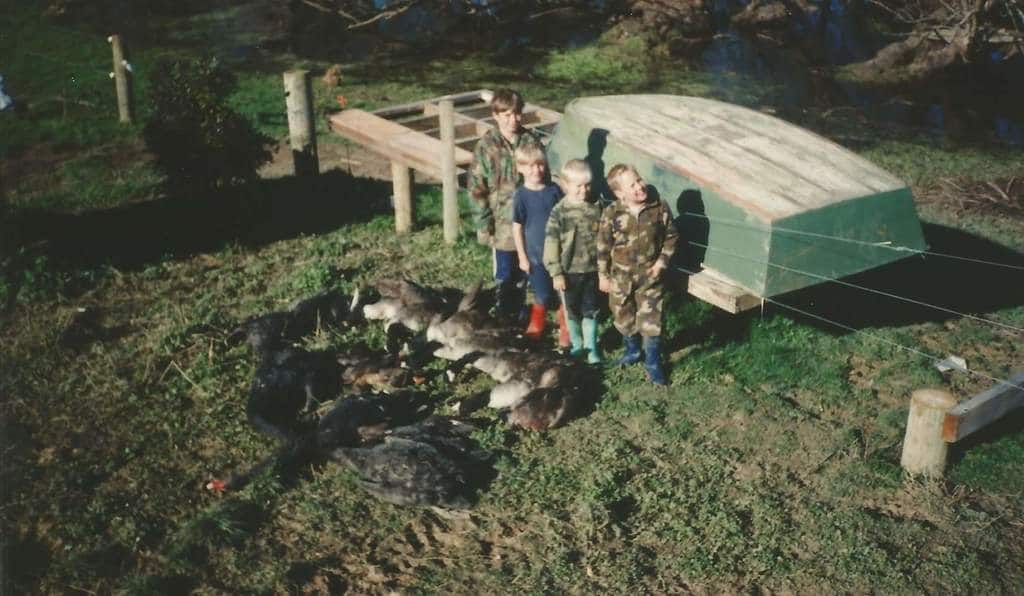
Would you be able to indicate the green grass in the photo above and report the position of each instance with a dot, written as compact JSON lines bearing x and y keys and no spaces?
{"x":770,"y":464}
{"x":921,"y":161}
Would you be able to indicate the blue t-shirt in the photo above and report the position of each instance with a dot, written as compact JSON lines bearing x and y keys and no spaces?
{"x":530,"y":208}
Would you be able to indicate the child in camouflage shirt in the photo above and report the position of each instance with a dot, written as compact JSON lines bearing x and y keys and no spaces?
{"x":635,"y":242}
{"x":570,"y":256}
{"x":492,"y":180}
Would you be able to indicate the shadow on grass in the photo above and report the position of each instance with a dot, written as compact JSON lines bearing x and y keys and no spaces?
{"x":955,"y":285}
{"x":250,"y":215}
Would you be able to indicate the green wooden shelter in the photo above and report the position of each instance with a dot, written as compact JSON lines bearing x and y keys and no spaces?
{"x":764,"y":205}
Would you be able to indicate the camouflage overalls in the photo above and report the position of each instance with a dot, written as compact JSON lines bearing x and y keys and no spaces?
{"x":492,"y":180}
{"x":627,"y":246}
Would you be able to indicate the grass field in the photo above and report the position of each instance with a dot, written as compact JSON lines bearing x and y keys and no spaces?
{"x":770,"y":464}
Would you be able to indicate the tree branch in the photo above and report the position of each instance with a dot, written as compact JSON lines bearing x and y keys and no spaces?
{"x":356,"y":22}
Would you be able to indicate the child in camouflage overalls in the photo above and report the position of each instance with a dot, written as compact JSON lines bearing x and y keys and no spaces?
{"x":492,"y":180}
{"x":570,"y":256}
{"x":635,"y":242}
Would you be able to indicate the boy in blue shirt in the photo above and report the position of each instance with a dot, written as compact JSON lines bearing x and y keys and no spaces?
{"x":531,"y":205}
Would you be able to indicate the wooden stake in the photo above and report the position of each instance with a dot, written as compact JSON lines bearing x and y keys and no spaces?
{"x":449,"y":180}
{"x":401,"y":181}
{"x":298,"y":92}
{"x":924,"y":451}
{"x":122,"y":81}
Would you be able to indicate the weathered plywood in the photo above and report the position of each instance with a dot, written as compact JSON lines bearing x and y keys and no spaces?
{"x":764,"y":164}
{"x":984,"y":408}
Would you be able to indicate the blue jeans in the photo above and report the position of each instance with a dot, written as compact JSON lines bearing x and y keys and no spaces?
{"x":506,"y":266}
{"x":540,"y":281}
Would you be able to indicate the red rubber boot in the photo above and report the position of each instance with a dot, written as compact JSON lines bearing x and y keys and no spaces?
{"x":564,"y":341}
{"x":538,"y":317}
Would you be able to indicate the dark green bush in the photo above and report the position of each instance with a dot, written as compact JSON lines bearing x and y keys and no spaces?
{"x":199,"y":142}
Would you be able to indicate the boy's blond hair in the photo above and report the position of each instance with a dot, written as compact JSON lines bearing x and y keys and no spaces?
{"x":616,"y":172}
{"x":578,"y":171}
{"x":530,"y":153}
{"x":506,"y":99}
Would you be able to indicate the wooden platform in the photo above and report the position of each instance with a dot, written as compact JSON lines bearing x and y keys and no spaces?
{"x":410,"y":134}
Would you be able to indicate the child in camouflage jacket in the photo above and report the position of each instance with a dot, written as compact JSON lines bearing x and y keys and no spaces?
{"x":635,"y":242}
{"x":570,"y":256}
{"x":492,"y":180}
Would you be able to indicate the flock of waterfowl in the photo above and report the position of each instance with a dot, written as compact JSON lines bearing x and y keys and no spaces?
{"x":364,"y":409}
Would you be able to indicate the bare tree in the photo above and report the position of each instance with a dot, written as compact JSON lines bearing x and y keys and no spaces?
{"x":943,"y":33}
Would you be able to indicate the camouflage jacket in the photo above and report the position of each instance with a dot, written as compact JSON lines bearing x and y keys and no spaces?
{"x":492,"y":180}
{"x":570,"y":238}
{"x":628,"y":245}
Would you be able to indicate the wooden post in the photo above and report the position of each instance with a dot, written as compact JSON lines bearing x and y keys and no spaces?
{"x":298,"y":94}
{"x":401,"y":183}
{"x":122,"y":81}
{"x":924,"y":451}
{"x":449,"y":180}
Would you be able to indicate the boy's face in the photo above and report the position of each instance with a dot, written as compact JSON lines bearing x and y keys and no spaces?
{"x":632,"y":189}
{"x":532,"y":173}
{"x":509,"y":121}
{"x":576,"y":191}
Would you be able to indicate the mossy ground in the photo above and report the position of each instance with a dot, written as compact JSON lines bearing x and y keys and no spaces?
{"x":771,"y":464}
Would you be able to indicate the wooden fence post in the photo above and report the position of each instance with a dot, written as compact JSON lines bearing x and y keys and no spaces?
{"x":122,"y":81}
{"x":924,"y":451}
{"x":449,"y":180}
{"x":401,"y":184}
{"x":298,"y":94}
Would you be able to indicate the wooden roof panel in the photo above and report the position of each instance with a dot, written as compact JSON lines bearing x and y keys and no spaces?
{"x":763,"y":164}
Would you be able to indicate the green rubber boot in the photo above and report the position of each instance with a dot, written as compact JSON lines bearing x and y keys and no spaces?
{"x":575,"y":336}
{"x":590,"y":341}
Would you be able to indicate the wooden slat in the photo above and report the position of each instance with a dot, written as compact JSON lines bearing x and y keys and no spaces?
{"x":716,"y":289}
{"x":429,"y":106}
{"x":411,"y":148}
{"x":982,"y":409}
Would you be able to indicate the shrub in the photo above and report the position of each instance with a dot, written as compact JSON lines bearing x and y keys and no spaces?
{"x":611,"y":66}
{"x":199,"y":142}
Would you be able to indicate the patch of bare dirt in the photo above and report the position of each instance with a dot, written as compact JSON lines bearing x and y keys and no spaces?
{"x":435,"y":539}
{"x":352,"y":159}
{"x":38,"y":169}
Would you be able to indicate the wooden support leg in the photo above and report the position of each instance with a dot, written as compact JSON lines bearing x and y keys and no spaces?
{"x":446,"y":120}
{"x":401,"y":180}
{"x":924,"y":451}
